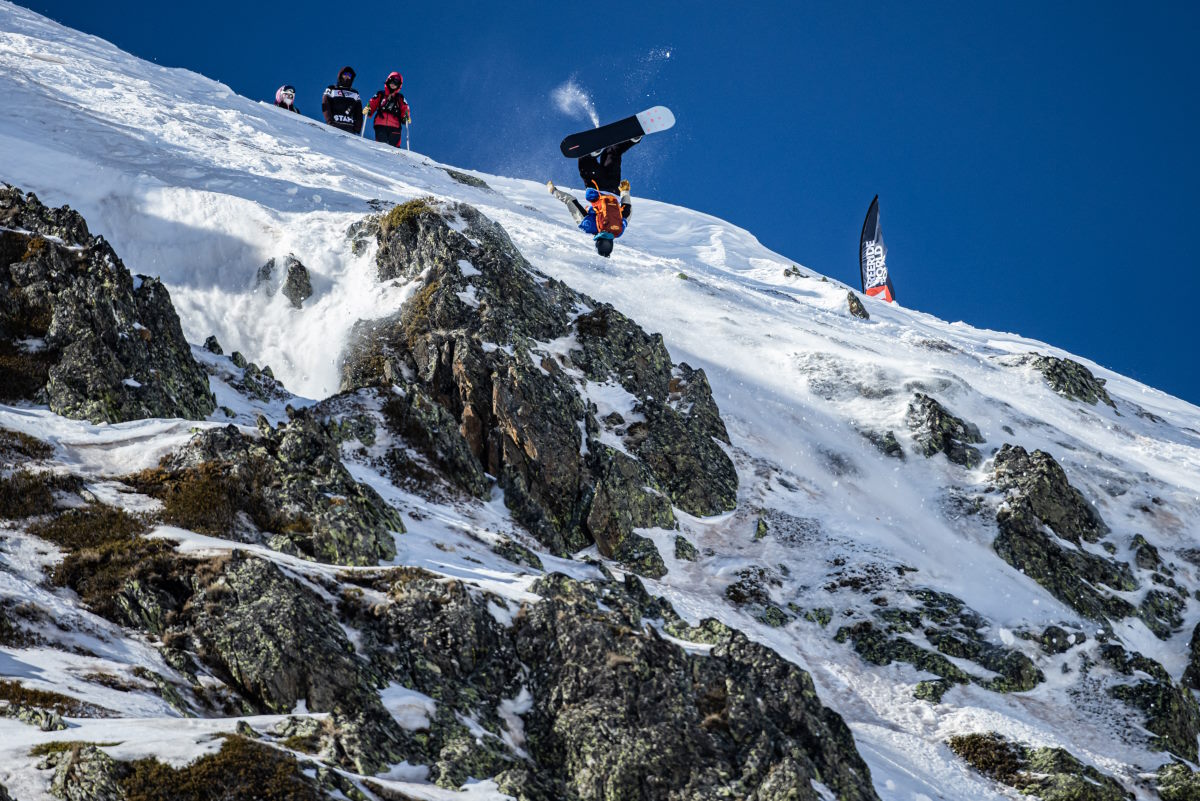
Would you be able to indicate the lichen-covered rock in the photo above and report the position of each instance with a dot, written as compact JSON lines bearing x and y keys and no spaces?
{"x":954,"y":630}
{"x":1051,"y":774}
{"x":938,"y":431}
{"x":623,"y":716}
{"x":1070,"y":379}
{"x":270,"y":640}
{"x":1171,"y":712}
{"x":609,"y":709}
{"x":1191,"y":675}
{"x":1175,"y":782}
{"x":290,"y":482}
{"x":1039,"y":479}
{"x":85,"y":773}
{"x":533,"y":374}
{"x":78,"y":332}
{"x":1040,"y":496}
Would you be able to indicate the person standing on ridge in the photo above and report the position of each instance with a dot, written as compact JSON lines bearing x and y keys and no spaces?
{"x":341,"y":103}
{"x":390,"y":110}
{"x":607,"y":218}
{"x":285,"y":97}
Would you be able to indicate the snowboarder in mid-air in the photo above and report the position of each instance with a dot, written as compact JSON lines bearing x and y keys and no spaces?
{"x":606,"y":193}
{"x":285,"y":97}
{"x":342,"y":105}
{"x":389,"y":110}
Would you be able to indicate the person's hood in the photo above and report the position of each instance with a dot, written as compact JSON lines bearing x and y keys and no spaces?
{"x":350,"y":70}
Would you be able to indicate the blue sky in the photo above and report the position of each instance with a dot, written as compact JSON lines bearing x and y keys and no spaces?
{"x":1034,"y":161}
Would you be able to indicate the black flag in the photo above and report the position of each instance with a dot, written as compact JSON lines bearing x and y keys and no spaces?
{"x":872,"y":257}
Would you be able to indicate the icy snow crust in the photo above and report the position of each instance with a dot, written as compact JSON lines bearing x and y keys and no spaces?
{"x":199,"y":186}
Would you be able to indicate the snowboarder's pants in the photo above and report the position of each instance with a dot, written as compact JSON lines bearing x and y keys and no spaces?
{"x":604,"y":171}
{"x":389,"y":134}
{"x":578,"y":212}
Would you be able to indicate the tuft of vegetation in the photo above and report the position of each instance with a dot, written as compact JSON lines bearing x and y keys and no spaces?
{"x":15,"y":694}
{"x":26,"y":493}
{"x":404,"y":213}
{"x":243,"y":770}
{"x":208,"y":498}
{"x":59,"y":746}
{"x":89,"y":527}
{"x":417,"y":311}
{"x":16,"y":445}
{"x":991,"y":755}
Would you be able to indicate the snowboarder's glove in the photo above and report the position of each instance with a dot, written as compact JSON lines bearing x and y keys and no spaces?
{"x":624,"y":187}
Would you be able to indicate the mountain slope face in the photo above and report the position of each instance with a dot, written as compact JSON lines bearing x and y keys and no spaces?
{"x":506,"y":543}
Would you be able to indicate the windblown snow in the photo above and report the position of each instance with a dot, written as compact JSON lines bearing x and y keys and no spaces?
{"x":199,"y":186}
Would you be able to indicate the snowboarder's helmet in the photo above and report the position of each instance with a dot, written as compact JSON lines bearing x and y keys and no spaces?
{"x":604,"y":244}
{"x":285,"y":94}
{"x":592,"y":194}
{"x":346,"y":76}
{"x":394,"y":81}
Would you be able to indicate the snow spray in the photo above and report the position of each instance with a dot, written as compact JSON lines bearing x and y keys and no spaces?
{"x":574,"y":101}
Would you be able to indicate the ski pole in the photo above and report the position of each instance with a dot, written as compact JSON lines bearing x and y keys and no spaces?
{"x":408,"y":139}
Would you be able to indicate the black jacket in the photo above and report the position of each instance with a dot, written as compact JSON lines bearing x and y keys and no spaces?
{"x":342,"y":108}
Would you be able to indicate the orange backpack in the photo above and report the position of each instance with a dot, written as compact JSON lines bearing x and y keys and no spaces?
{"x":608,"y":215}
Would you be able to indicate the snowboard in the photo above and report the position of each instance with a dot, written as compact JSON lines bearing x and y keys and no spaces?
{"x":652,"y":120}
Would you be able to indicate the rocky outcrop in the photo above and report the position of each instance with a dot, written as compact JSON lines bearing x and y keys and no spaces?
{"x":856,"y":306}
{"x":609,"y":710}
{"x":85,"y":773}
{"x":1039,"y":495}
{"x":272,"y":642}
{"x":590,"y":429}
{"x":628,"y":715}
{"x":1070,"y":379}
{"x":954,"y":631}
{"x":1171,"y":712}
{"x":289,"y":483}
{"x":1051,"y":774}
{"x":1043,"y":485}
{"x":78,"y":332}
{"x":1175,"y":782}
{"x":938,"y":431}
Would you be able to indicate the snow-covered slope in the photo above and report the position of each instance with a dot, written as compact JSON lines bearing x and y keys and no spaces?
{"x":201,"y":187}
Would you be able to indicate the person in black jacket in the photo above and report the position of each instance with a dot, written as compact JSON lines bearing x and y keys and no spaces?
{"x":341,"y":104}
{"x":603,"y":170}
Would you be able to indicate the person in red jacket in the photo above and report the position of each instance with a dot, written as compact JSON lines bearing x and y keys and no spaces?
{"x":390,"y":110}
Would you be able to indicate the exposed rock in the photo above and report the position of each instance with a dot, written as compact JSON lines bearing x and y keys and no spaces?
{"x":938,"y":431}
{"x":85,"y":773}
{"x":1042,"y":482}
{"x":1070,"y":379}
{"x":290,"y":483}
{"x":468,"y":180}
{"x":1057,"y":640}
{"x":1175,"y":782}
{"x":955,"y":631}
{"x":1191,"y":675}
{"x":297,"y":286}
{"x":1171,"y":711}
{"x":78,"y":332}
{"x":684,"y":550}
{"x":886,"y":442}
{"x":1051,"y":774}
{"x":515,"y":359}
{"x":740,"y":721}
{"x":213,"y":346}
{"x":1039,"y":494}
{"x":4,"y":796}
{"x":430,"y":428}
{"x":856,"y":306}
